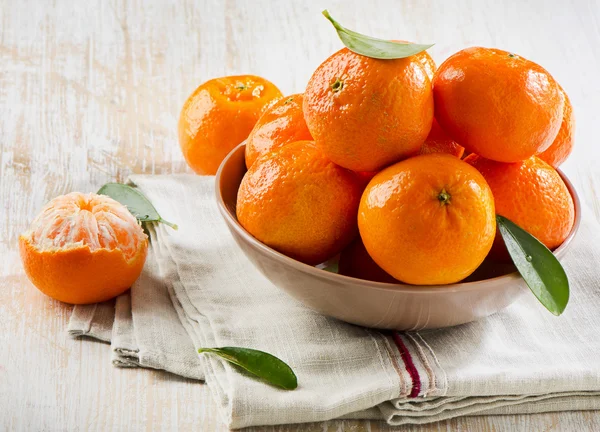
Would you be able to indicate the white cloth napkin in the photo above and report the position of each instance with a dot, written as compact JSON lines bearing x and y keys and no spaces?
{"x":199,"y":290}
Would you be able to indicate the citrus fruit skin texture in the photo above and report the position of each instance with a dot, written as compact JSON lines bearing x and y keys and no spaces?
{"x":428,"y":220}
{"x":562,"y":146}
{"x":532,"y":195}
{"x":218,"y":116}
{"x":438,"y":141}
{"x":366,"y":113}
{"x":83,"y":248}
{"x":281,"y":124}
{"x":427,"y":62}
{"x":299,"y":203}
{"x":356,"y":262}
{"x":424,"y":59}
{"x":497,"y":104}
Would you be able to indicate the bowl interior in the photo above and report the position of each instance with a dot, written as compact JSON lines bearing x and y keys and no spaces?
{"x":228,"y":180}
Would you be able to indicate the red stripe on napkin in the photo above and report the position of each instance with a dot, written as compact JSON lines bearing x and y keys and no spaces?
{"x":410,"y":366}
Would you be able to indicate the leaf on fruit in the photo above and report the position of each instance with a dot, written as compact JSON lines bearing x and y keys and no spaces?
{"x":373,"y":47}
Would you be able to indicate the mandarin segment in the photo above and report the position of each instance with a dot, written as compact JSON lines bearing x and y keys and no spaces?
{"x":282,"y":123}
{"x":497,"y":104}
{"x":219,"y":115}
{"x":366,"y":113}
{"x":532,"y":195}
{"x":428,"y":220}
{"x":83,"y":248}
{"x":299,"y":203}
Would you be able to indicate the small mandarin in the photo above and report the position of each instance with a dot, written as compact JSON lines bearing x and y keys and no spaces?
{"x":219,"y":115}
{"x":83,"y":248}
{"x":299,"y":203}
{"x":497,"y":104}
{"x":281,"y":124}
{"x":531,"y":194}
{"x":366,"y":113}
{"x":428,"y":220}
{"x":439,"y":142}
{"x":562,"y":146}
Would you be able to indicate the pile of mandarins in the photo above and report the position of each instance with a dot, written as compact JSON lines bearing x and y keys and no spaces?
{"x":370,"y":161}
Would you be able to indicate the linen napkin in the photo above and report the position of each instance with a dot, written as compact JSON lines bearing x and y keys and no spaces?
{"x":199,"y":290}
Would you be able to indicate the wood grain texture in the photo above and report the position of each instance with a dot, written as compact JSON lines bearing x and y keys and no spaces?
{"x":90,"y":92}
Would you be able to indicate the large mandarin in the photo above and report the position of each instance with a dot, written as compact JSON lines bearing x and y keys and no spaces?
{"x":428,"y":220}
{"x":299,"y":203}
{"x":367,"y":113}
{"x":497,"y":104}
{"x":83,"y":248}
{"x":219,"y":115}
{"x":532,"y":195}
{"x":281,"y":124}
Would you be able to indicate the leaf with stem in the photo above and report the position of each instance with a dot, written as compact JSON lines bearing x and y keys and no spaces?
{"x":259,"y":363}
{"x":135,"y":201}
{"x":541,"y":270}
{"x":373,"y":47}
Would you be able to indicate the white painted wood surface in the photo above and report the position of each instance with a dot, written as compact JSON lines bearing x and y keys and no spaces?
{"x":90,"y":92}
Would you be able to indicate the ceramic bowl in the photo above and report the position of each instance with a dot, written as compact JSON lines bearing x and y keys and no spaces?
{"x":374,"y":304}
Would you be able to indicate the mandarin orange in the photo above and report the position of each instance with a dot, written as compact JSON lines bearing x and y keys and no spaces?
{"x":428,"y":220}
{"x":531,"y":194}
{"x":562,"y":146}
{"x":438,"y":141}
{"x":83,"y":248}
{"x":219,"y":115}
{"x":367,"y":113}
{"x":497,"y":104}
{"x":281,"y":124}
{"x":298,"y":202}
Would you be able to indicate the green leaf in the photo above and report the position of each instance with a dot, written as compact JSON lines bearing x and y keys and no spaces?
{"x":135,"y":201}
{"x":373,"y":47}
{"x":540,"y":269}
{"x":259,"y":363}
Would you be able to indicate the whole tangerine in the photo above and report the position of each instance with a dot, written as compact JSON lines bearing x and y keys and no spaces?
{"x":562,"y":146}
{"x":438,"y":141}
{"x":428,"y":220}
{"x":532,"y":195}
{"x":497,"y":104}
{"x":298,"y":202}
{"x":83,"y":248}
{"x":219,"y":115}
{"x":282,"y":123}
{"x":367,"y":113}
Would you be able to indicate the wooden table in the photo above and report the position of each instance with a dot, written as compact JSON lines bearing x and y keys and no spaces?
{"x":91,"y":91}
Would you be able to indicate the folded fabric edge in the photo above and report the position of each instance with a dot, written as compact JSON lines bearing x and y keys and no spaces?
{"x":459,"y":407}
